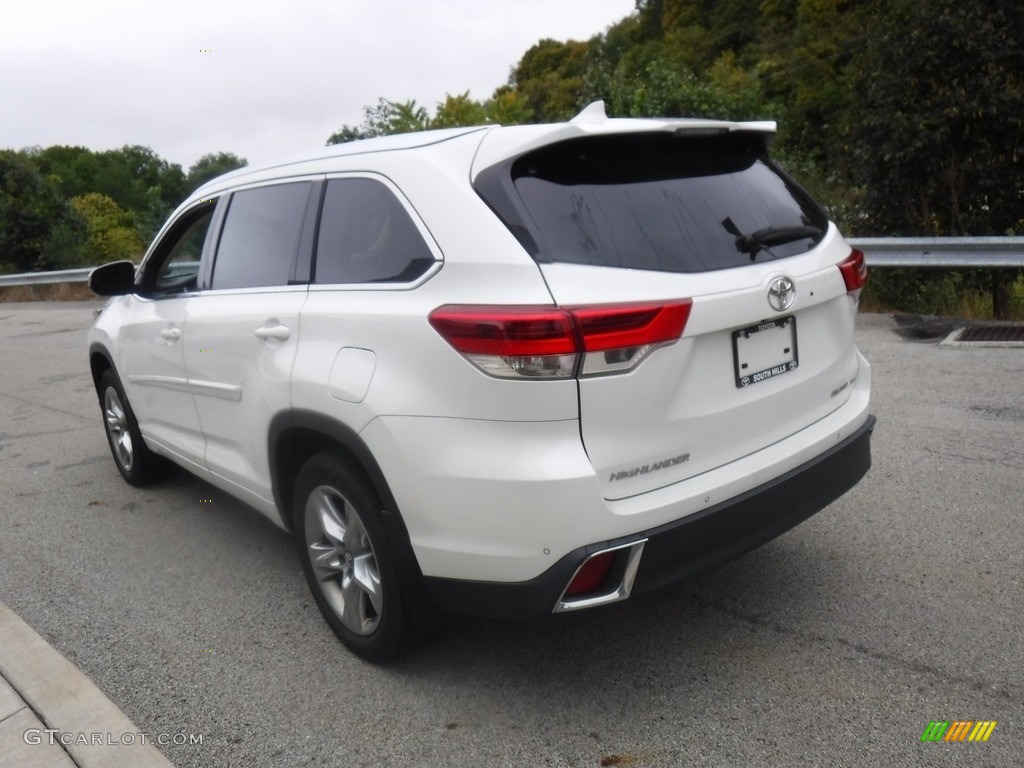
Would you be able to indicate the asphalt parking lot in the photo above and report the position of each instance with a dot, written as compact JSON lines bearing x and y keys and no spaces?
{"x":835,"y":645}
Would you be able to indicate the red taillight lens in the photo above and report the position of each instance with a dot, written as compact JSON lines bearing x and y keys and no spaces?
{"x":511,"y":342}
{"x":506,"y":330}
{"x":855,"y":271}
{"x":616,"y":339}
{"x":547,"y":342}
{"x":592,"y":576}
{"x":631,"y":325}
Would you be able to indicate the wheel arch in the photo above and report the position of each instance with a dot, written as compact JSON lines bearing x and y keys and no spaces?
{"x":297,"y":435}
{"x":99,"y":362}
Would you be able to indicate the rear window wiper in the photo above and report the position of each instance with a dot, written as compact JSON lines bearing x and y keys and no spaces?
{"x":768,"y":236}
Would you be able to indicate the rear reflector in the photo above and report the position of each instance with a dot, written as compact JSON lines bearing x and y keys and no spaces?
{"x":855,"y":271}
{"x":551,"y":342}
{"x":592,"y":575}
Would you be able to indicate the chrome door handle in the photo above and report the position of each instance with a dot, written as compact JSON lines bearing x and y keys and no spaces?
{"x":267,"y":332}
{"x":171,"y":334}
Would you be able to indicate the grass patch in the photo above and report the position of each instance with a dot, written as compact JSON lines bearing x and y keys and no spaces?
{"x":49,"y":292}
{"x":949,"y":293}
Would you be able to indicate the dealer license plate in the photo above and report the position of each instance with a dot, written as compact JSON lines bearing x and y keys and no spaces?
{"x":764,"y":351}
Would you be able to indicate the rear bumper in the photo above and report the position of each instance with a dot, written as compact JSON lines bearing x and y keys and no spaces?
{"x":684,"y":547}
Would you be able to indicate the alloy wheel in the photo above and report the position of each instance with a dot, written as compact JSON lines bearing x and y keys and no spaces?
{"x":343,"y":560}
{"x":117,"y":429}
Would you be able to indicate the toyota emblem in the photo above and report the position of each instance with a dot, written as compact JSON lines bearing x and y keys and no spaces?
{"x":781,"y":294}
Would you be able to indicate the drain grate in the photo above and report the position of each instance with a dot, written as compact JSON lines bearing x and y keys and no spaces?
{"x":1000,"y":333}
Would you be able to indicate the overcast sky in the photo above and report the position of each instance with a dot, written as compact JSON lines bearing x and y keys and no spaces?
{"x":260,"y":79}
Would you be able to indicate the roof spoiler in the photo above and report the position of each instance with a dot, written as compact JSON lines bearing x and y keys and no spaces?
{"x":596,"y":113}
{"x":593,"y":113}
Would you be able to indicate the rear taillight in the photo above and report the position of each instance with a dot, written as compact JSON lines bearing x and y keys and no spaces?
{"x":555,"y":343}
{"x":855,"y":271}
{"x":617,"y":338}
{"x":511,"y":342}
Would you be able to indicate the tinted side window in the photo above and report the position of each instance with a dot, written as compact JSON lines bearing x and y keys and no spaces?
{"x":260,"y":239}
{"x":174,"y":266}
{"x":367,"y":236}
{"x":664,"y":202}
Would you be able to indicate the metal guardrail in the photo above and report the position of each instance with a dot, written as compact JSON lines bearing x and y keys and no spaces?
{"x":46,"y":278}
{"x":933,"y":252}
{"x":942,"y":252}
{"x":1003,"y":256}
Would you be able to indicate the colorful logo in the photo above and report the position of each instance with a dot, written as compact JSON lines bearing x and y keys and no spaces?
{"x":958,"y":730}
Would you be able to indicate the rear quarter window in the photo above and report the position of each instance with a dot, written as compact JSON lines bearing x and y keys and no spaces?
{"x":652,"y":201}
{"x":367,"y":236}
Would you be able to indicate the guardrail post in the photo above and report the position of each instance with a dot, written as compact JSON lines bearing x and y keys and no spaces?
{"x":1002,"y":279}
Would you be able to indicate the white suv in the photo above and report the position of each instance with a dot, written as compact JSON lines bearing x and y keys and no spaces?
{"x":504,"y":371}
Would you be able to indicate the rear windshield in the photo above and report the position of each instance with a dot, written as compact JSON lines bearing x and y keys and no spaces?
{"x":654,"y":201}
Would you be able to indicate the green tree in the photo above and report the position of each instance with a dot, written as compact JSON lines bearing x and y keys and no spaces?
{"x":733,"y":24}
{"x":64,"y":247}
{"x":725,"y":92}
{"x":134,"y":177}
{"x":604,"y":52}
{"x":812,"y":71}
{"x":110,"y":231}
{"x":650,"y":16}
{"x":508,"y":107}
{"x":126,"y":174}
{"x":383,"y":119}
{"x":211,"y":166}
{"x":938,"y":127}
{"x":38,"y":229}
{"x":73,"y":169}
{"x":551,"y":77}
{"x":457,"y":111}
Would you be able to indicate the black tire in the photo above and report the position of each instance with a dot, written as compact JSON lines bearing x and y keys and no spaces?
{"x":347,"y":558}
{"x":137,"y":464}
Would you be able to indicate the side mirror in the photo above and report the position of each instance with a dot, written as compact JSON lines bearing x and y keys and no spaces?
{"x":114,"y":279}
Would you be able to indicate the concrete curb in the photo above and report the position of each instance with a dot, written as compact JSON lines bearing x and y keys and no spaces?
{"x":53,"y":716}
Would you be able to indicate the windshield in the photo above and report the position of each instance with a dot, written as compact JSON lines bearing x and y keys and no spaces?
{"x":667,"y":202}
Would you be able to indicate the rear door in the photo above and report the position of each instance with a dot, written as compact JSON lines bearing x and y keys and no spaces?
{"x":768,"y":346}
